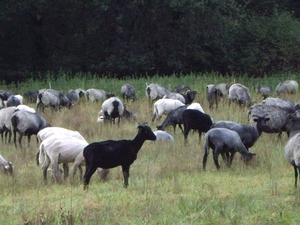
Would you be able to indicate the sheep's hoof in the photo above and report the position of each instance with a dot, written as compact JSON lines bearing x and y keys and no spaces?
{"x":85,"y":187}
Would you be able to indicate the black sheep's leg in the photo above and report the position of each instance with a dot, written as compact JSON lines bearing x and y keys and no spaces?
{"x":125,"y":170}
{"x":90,"y":170}
{"x":230,"y":159}
{"x":216,"y":155}
{"x":296,"y":175}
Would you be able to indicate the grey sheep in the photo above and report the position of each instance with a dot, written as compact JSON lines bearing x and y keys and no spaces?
{"x":264,"y":91}
{"x":155,"y":92}
{"x":277,"y":110}
{"x":93,"y":95}
{"x":128,"y":92}
{"x":14,"y":100}
{"x":287,"y":87}
{"x":181,"y":89}
{"x":292,"y":147}
{"x":27,"y":123}
{"x":53,"y":98}
{"x":6,"y":167}
{"x":225,"y":142}
{"x":240,"y":94}
{"x":248,"y":134}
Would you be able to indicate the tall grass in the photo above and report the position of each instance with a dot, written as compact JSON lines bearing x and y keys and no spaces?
{"x":167,"y":184}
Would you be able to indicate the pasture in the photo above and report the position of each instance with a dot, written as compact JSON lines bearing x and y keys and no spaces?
{"x":167,"y":184}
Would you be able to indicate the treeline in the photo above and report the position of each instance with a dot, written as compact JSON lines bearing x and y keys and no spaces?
{"x":145,"y":37}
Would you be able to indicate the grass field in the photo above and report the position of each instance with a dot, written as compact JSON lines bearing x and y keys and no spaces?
{"x":167,"y":184}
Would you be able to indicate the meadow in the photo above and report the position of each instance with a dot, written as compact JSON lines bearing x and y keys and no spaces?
{"x":167,"y":184}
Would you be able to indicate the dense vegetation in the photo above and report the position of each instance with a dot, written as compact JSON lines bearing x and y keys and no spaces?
{"x":121,"y":38}
{"x":167,"y":183}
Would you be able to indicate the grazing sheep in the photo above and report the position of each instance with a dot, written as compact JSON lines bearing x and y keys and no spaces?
{"x":51,"y":131}
{"x":73,"y":96}
{"x":53,"y":98}
{"x":112,"y":108}
{"x":225,"y":142}
{"x":248,"y":134}
{"x":277,"y":110}
{"x":27,"y":123}
{"x":61,"y":149}
{"x":128,"y":92}
{"x":189,"y":96}
{"x":6,"y":167}
{"x":109,"y":154}
{"x":14,"y":100}
{"x":164,"y":106}
{"x":174,"y":95}
{"x":30,"y":96}
{"x":128,"y":115}
{"x":181,"y":89}
{"x":155,"y":92}
{"x":287,"y":87}
{"x":292,"y":147}
{"x":93,"y":95}
{"x":5,"y":123}
{"x":213,"y":97}
{"x":196,"y":120}
{"x":240,"y":94}
{"x":81,"y":93}
{"x":264,"y":91}
{"x":163,"y":136}
{"x":173,"y":118}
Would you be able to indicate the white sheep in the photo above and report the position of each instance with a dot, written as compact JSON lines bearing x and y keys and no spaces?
{"x":163,"y":136}
{"x":164,"y":106}
{"x":196,"y":106}
{"x":240,"y":94}
{"x":51,"y":131}
{"x":112,"y":108}
{"x":174,"y":95}
{"x":61,"y":149}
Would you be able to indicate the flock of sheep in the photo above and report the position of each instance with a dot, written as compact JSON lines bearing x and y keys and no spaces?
{"x":60,"y":146}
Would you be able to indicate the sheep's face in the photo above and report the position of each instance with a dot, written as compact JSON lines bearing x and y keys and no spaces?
{"x":146,"y":132}
{"x":248,"y":157}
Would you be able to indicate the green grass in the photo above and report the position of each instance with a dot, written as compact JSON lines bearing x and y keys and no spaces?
{"x":167,"y":184}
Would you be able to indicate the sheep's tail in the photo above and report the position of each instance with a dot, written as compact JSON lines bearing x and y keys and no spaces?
{"x":14,"y":121}
{"x":40,"y":155}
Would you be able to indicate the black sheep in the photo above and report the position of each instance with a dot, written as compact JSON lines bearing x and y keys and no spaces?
{"x":111,"y":153}
{"x":196,"y":120}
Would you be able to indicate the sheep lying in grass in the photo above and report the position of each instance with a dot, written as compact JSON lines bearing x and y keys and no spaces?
{"x":109,"y":154}
{"x":5,"y":166}
{"x":225,"y":142}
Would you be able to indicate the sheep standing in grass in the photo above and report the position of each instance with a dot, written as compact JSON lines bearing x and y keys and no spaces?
{"x":287,"y":87}
{"x":196,"y":120}
{"x":112,"y":108}
{"x":240,"y":94}
{"x":26,"y":123}
{"x":128,"y":92}
{"x":155,"y":92}
{"x":53,"y":98}
{"x":164,"y":106}
{"x":109,"y":154}
{"x":181,"y":89}
{"x":61,"y":149}
{"x":14,"y":100}
{"x":6,"y":166}
{"x":264,"y":91}
{"x":225,"y":142}
{"x":93,"y":95}
{"x":248,"y":134}
{"x":292,"y":147}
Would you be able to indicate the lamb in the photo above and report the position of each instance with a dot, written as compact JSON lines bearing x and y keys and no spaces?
{"x":109,"y":154}
{"x":277,"y":110}
{"x":27,"y":123}
{"x":264,"y":91}
{"x":248,"y":134}
{"x":93,"y":95}
{"x":155,"y":92}
{"x":163,"y":136}
{"x":128,"y":92}
{"x":14,"y":100}
{"x":287,"y":87}
{"x":61,"y":149}
{"x":292,"y":147}
{"x":240,"y":94}
{"x":173,"y":118}
{"x":196,"y":120}
{"x":164,"y":106}
{"x":5,"y":166}
{"x":225,"y":142}
{"x":113,"y":108}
